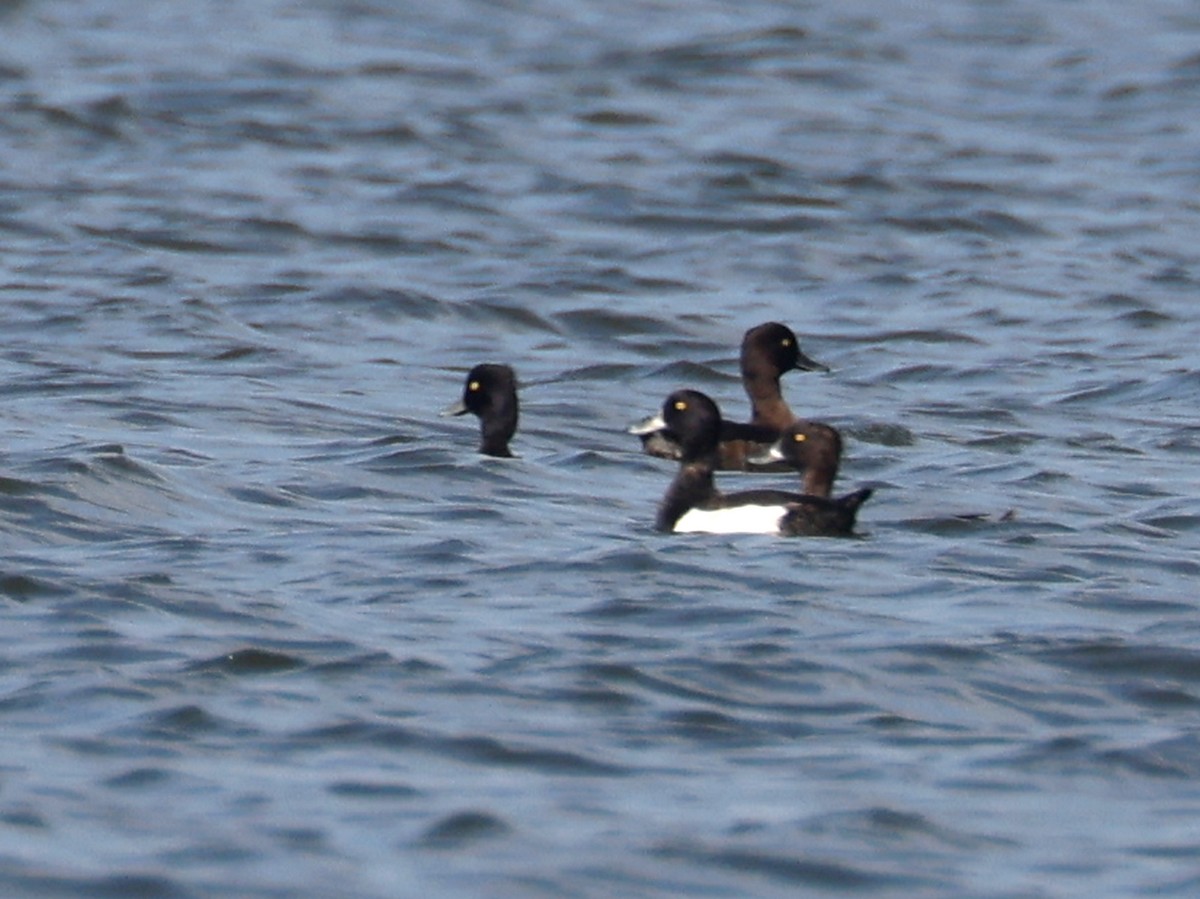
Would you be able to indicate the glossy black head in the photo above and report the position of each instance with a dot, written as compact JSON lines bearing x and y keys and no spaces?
{"x":490,"y":392}
{"x":695,"y":421}
{"x":771,"y":349}
{"x":691,"y":420}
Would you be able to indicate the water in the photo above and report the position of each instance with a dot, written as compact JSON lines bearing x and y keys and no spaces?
{"x":271,"y":627}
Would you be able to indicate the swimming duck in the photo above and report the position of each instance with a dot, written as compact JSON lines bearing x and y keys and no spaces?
{"x":811,"y":447}
{"x":490,"y":392}
{"x":768,"y":351}
{"x":693,"y":504}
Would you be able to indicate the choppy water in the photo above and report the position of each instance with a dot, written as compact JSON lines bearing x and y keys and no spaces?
{"x":272,"y":629}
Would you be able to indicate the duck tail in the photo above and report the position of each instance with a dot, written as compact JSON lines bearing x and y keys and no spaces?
{"x":853,"y":500}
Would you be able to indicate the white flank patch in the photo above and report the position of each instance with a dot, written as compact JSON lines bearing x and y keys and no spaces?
{"x":735,"y":520}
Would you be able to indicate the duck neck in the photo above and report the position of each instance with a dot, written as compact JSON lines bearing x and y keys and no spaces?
{"x":496,"y":432}
{"x":693,"y":485}
{"x":767,"y":405}
{"x":820,"y":473}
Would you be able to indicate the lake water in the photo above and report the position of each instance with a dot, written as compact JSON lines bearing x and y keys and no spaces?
{"x":273,"y":629}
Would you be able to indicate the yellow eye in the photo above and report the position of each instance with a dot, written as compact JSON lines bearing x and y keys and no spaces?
{"x":787,"y":341}
{"x":680,"y":405}
{"x":473,"y":386}
{"x":799,"y":438}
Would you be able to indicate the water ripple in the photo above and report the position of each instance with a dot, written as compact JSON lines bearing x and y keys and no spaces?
{"x":274,"y":628}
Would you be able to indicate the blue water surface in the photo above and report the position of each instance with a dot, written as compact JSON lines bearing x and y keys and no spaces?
{"x":272,"y":628}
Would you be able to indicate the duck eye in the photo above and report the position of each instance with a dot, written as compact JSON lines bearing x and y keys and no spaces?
{"x":799,"y":438}
{"x":680,"y":405}
{"x":787,"y":341}
{"x":473,"y":386}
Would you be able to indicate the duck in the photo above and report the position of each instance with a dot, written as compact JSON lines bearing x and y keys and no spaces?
{"x":769,"y":351}
{"x":490,"y":393}
{"x":693,"y":504}
{"x":812,"y":447}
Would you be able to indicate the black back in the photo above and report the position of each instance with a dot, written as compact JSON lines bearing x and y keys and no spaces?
{"x":819,"y":516}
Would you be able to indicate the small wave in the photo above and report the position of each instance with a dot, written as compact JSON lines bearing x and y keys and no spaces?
{"x":372,"y":790}
{"x":1117,"y":656}
{"x":387,"y":303}
{"x":251,"y":661}
{"x":618,"y":118}
{"x":24,"y":588}
{"x":988,"y":222}
{"x":882,"y":434}
{"x":462,"y":830}
{"x":794,"y":870}
{"x":132,"y":885}
{"x":599,"y":322}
